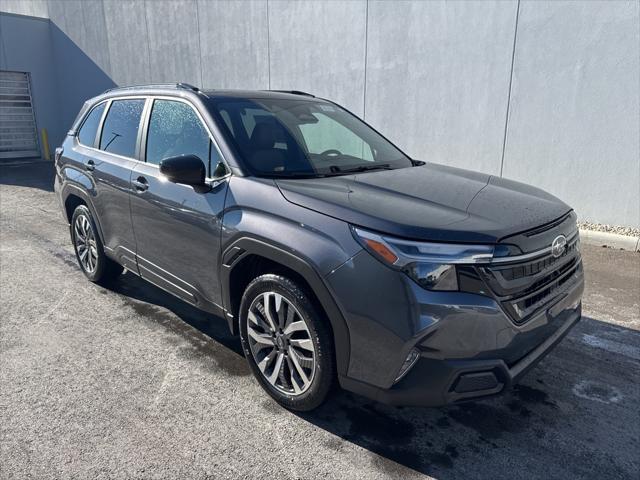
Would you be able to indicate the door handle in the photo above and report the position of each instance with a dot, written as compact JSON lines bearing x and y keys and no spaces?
{"x":90,"y":165}
{"x":140,"y":184}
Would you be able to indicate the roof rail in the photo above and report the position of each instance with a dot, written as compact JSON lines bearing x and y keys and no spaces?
{"x":186,"y":86}
{"x":293,"y":92}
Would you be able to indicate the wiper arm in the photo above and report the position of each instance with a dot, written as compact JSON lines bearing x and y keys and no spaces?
{"x":360,"y":168}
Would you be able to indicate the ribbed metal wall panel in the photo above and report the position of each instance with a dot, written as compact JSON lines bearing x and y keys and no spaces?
{"x":18,"y":132}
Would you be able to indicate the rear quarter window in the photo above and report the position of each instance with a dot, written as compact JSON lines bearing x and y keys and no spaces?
{"x":87,"y":133}
{"x":120,"y":130}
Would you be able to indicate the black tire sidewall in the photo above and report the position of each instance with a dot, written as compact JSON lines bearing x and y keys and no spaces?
{"x":320,"y":334}
{"x":97,"y":274}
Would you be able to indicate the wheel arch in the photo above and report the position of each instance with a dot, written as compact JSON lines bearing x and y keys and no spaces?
{"x":71,"y":203}
{"x":72,"y":196}
{"x":249,"y":257}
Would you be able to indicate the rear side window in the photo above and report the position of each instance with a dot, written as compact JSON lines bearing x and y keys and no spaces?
{"x":87,"y":133}
{"x":120,"y":129}
{"x":175,"y":129}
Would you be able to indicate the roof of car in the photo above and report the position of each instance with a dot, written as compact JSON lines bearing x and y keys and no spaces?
{"x":210,"y":93}
{"x":257,"y":94}
{"x":185,"y":90}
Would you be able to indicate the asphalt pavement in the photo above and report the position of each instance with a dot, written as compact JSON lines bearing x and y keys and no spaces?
{"x":132,"y":383}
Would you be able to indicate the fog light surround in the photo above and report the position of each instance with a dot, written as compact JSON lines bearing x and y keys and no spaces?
{"x":433,"y":276}
{"x":408,"y":364}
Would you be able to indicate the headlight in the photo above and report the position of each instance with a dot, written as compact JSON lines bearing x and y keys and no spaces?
{"x":431,"y":265}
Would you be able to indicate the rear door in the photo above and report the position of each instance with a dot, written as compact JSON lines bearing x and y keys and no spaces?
{"x":177,"y":227}
{"x":109,"y":159}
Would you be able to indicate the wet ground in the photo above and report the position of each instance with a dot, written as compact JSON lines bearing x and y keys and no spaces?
{"x":132,"y":383}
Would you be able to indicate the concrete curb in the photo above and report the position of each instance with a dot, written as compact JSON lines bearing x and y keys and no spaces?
{"x":613,"y":240}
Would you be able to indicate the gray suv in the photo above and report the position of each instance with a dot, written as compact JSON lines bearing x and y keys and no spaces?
{"x":334,"y":256}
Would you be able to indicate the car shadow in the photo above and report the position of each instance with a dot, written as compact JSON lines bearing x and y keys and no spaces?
{"x":150,"y":301}
{"x":446,"y":442}
{"x":33,"y":174}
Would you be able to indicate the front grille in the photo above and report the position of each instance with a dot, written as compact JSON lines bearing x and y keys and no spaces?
{"x":523,"y":308}
{"x":525,"y":288}
{"x":535,"y":267}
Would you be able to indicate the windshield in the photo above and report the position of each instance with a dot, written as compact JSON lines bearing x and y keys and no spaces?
{"x":298,"y":138}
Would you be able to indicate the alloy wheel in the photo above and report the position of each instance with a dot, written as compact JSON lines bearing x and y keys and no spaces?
{"x":85,"y":243}
{"x":281,"y":343}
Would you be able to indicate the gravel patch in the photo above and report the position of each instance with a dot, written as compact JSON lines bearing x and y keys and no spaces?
{"x":598,"y":227}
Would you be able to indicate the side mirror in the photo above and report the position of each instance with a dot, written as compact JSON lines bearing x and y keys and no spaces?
{"x":186,"y":169}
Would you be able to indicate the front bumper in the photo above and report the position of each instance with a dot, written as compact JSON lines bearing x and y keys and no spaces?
{"x":440,"y":382}
{"x":469,"y":348}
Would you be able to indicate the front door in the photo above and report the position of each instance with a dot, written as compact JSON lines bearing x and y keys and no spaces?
{"x":177,"y":227}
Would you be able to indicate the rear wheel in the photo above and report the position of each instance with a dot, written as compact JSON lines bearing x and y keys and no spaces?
{"x":287,"y":342}
{"x":96,"y":266}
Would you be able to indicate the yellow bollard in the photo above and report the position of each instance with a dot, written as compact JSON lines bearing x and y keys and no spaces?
{"x":46,"y":153}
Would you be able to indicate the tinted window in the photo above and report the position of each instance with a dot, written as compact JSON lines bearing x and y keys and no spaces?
{"x":87,"y":133}
{"x":328,"y":134}
{"x":175,"y":129}
{"x":227,"y":119}
{"x":305,"y":137}
{"x":120,"y":129}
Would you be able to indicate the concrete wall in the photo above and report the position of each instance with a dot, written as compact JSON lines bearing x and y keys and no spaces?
{"x":82,"y":60}
{"x":440,"y":87}
{"x":543,"y":92}
{"x":574,"y":120}
{"x":33,"y":8}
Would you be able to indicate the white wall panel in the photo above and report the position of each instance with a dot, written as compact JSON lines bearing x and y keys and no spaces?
{"x":128,"y":41}
{"x":438,"y":78}
{"x":174,"y":52}
{"x":234,"y":44}
{"x":574,"y":126}
{"x":319,"y":47}
{"x":34,"y":8}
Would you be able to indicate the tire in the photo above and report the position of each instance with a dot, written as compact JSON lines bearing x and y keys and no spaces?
{"x":93,"y":262}
{"x":291,"y":341}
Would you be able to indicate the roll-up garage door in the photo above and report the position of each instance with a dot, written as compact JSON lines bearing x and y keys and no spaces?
{"x":18,"y":133}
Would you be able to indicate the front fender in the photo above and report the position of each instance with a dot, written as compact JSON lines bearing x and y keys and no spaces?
{"x":248,"y":245}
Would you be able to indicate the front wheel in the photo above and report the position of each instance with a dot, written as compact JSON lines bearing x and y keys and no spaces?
{"x":96,"y":266}
{"x":287,"y":342}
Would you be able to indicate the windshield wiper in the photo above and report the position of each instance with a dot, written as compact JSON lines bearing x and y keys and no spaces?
{"x":360,"y":168}
{"x":292,"y":174}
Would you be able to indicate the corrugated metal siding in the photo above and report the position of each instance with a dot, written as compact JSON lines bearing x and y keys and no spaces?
{"x":18,"y":133}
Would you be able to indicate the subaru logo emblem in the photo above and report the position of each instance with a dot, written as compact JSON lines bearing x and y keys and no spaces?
{"x":559,"y":246}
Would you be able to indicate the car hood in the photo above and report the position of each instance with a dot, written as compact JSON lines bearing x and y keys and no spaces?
{"x":429,"y":202}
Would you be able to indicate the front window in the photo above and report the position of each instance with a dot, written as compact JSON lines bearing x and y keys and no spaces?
{"x":289,"y":138}
{"x":174,"y":130}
